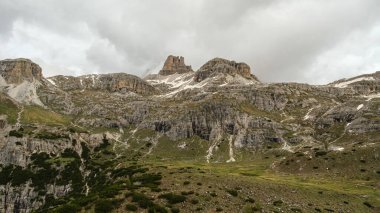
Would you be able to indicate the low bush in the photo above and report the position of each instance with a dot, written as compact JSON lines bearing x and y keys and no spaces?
{"x":131,"y":207}
{"x":173,"y":198}
{"x":278,"y":203}
{"x":15,"y":133}
{"x":105,"y":206}
{"x":194,"y":201}
{"x":232,"y":192}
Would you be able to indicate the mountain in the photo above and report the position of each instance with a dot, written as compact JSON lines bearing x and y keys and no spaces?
{"x":216,"y":72}
{"x":216,"y":139}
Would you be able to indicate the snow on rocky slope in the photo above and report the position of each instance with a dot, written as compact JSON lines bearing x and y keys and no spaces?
{"x":216,"y":72}
{"x":344,"y":83}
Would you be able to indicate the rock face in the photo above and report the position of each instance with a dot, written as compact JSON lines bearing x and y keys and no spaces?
{"x":15,"y":71}
{"x":116,"y":82}
{"x":219,"y":65}
{"x":175,"y":64}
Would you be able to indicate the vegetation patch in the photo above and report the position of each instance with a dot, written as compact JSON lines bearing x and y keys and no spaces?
{"x":173,"y":198}
{"x":36,"y":114}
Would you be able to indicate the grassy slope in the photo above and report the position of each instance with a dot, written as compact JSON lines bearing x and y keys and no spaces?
{"x":7,"y":107}
{"x":255,"y":179}
{"x":35,"y":114}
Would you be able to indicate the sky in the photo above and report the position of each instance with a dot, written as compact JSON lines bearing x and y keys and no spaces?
{"x":306,"y":41}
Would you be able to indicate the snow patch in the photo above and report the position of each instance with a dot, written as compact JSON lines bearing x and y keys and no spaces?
{"x":182,"y":145}
{"x":286,"y":147}
{"x":232,"y":159}
{"x":346,"y":83}
{"x":93,"y":80}
{"x":307,"y":116}
{"x":210,"y":150}
{"x":181,"y":82}
{"x":336,"y":148}
{"x":52,"y":82}
{"x":359,"y":107}
{"x":19,"y":114}
{"x":134,"y":131}
{"x":370,"y":97}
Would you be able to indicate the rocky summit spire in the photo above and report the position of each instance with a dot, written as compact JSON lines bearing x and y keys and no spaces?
{"x":175,"y":64}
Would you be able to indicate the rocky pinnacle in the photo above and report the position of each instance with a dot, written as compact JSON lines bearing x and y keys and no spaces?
{"x":175,"y":64}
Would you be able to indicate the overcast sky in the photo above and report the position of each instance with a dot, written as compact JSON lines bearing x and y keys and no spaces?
{"x":314,"y":41}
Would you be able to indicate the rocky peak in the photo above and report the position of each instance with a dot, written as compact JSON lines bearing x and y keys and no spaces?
{"x":115,"y":82}
{"x":175,"y":64}
{"x":16,"y":71}
{"x":219,"y":65}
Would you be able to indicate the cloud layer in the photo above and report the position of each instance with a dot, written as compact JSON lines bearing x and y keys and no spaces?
{"x":295,"y":40}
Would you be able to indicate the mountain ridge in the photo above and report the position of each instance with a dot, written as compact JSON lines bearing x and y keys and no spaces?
{"x":93,"y":132}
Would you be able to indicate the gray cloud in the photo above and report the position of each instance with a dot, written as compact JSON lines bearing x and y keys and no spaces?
{"x":296,"y":40}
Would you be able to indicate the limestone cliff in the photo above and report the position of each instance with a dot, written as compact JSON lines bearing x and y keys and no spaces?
{"x":223,"y":66}
{"x":15,"y":71}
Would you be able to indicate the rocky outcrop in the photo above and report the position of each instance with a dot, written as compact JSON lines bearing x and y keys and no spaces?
{"x":15,"y":71}
{"x":175,"y":64}
{"x":219,"y":65}
{"x":116,"y":82}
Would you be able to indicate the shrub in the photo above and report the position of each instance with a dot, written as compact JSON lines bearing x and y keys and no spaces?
{"x":157,"y":209}
{"x":110,"y":191}
{"x":105,"y":206}
{"x":85,"y":151}
{"x":15,"y":133}
{"x":232,"y":192}
{"x":70,"y":153}
{"x":194,"y":201}
{"x":187,"y":193}
{"x":320,"y":153}
{"x":20,"y":176}
{"x":50,"y":135}
{"x":278,"y":203}
{"x":131,"y":207}
{"x":150,"y":180}
{"x":251,"y":209}
{"x":250,"y":200}
{"x":186,"y":183}
{"x":173,"y":198}
{"x":296,"y":209}
{"x":174,"y":210}
{"x":366,"y":203}
{"x":68,"y":208}
{"x":143,"y":201}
